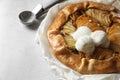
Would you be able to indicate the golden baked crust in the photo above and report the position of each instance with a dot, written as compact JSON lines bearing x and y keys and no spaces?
{"x":103,"y":60}
{"x":114,"y":37}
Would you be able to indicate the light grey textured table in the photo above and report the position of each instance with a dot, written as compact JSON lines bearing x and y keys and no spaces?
{"x":20,"y":55}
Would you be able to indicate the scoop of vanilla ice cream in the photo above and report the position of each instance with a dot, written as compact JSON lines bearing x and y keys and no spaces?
{"x":86,"y":40}
{"x":85,"y":44}
{"x":81,"y":31}
{"x":98,"y":37}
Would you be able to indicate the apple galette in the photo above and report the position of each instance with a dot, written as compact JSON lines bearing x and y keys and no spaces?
{"x":85,"y":36}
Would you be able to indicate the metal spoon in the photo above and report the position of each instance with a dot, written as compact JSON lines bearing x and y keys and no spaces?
{"x":31,"y":17}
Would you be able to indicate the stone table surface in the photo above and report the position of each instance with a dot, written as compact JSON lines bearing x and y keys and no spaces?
{"x":20,"y":55}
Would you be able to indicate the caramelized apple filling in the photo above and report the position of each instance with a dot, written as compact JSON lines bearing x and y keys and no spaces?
{"x":94,"y":19}
{"x":102,"y":16}
{"x":68,"y":28}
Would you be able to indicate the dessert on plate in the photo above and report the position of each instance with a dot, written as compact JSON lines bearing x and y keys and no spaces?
{"x":85,"y":36}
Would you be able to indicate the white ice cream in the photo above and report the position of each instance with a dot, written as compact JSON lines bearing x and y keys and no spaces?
{"x":81,"y":31}
{"x":100,"y":38}
{"x":86,"y":40}
{"x":85,"y":44}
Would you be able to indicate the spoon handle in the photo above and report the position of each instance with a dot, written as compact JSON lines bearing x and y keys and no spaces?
{"x":53,"y":3}
{"x":45,"y":9}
